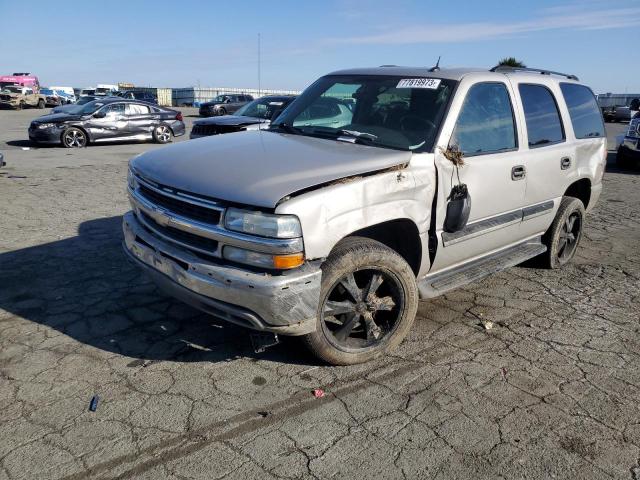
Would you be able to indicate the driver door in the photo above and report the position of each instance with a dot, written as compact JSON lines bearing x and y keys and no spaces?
{"x":485,"y":130}
{"x":112,"y":125}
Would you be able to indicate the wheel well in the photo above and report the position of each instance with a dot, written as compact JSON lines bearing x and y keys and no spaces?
{"x":79,"y":128}
{"x":581,"y":190}
{"x":400,"y":235}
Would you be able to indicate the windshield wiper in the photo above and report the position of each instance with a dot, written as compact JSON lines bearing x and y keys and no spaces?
{"x":356,"y":134}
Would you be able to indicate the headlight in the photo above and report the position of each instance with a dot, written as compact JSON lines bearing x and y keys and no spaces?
{"x":44,"y":126}
{"x":262,"y":224}
{"x":131,"y":180}
{"x":263,"y":260}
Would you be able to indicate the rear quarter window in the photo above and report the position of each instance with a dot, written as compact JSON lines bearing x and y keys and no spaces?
{"x":583,"y":110}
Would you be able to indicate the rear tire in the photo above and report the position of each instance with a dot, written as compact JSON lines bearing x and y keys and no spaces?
{"x":162,"y":134}
{"x":564,"y":235}
{"x":368,"y":302}
{"x":41,"y":104}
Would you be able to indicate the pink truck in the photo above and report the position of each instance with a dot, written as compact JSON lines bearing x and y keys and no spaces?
{"x":22,"y":79}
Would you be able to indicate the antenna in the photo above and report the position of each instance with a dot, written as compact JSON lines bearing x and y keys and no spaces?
{"x":436,"y":67}
{"x":259,"y":86}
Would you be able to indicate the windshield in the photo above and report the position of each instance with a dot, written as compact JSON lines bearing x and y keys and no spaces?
{"x":83,"y":100}
{"x":89,"y":108}
{"x":12,"y":89}
{"x":262,"y":108}
{"x":220,"y":99}
{"x":380,"y":110}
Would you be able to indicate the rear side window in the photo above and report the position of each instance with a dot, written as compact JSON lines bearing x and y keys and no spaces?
{"x":583,"y":109}
{"x":544,"y":126}
{"x":136,"y":109}
{"x":485,"y":123}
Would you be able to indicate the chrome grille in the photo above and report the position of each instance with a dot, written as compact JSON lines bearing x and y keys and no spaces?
{"x":196,"y":242}
{"x":185,"y":207}
{"x":206,"y":130}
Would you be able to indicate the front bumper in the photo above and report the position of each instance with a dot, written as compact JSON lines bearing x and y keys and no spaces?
{"x":51,"y":136}
{"x":285,"y":304}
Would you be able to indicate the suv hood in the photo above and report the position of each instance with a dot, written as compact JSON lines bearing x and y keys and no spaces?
{"x":230,"y":120}
{"x":260,"y":168}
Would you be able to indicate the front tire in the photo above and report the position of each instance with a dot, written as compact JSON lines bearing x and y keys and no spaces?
{"x":368,"y":302}
{"x":564,"y":234}
{"x":221,"y":111}
{"x":162,"y":134}
{"x":74,"y":138}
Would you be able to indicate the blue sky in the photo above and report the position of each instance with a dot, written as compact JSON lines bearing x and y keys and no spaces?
{"x":185,"y":43}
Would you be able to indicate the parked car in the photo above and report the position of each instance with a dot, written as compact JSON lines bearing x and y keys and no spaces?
{"x":252,"y":116}
{"x":18,"y":97}
{"x":223,"y":104}
{"x":333,"y":231}
{"x":65,"y":97}
{"x":88,"y":92}
{"x":71,"y":107}
{"x":629,"y":150}
{"x":106,"y":89}
{"x":144,"y":96}
{"x":619,"y":113}
{"x":107,"y":119}
{"x":51,"y":98}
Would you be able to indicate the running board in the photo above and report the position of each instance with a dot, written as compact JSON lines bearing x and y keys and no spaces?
{"x":439,"y":283}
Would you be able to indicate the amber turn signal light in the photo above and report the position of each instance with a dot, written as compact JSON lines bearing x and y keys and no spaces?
{"x":283,"y":262}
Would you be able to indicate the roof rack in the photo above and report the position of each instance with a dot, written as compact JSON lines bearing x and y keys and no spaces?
{"x":507,"y":68}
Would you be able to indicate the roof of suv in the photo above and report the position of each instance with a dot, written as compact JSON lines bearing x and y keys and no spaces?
{"x":444,"y":73}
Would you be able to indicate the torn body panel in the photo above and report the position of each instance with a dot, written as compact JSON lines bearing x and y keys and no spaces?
{"x":332,"y":213}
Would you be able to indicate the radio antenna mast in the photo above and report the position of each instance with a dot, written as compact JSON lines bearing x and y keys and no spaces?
{"x":436,"y":67}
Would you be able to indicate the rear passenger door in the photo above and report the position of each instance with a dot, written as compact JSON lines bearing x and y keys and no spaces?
{"x":549,"y":159}
{"x":485,"y":130}
{"x":141,"y":119}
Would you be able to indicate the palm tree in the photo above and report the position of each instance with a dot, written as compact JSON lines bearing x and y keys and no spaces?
{"x":511,"y":62}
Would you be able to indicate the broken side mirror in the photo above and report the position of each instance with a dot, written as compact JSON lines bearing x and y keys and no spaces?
{"x":459,"y":200}
{"x":458,"y":209}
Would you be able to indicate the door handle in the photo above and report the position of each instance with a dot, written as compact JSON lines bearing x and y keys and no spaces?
{"x":518,"y":172}
{"x":565,"y":162}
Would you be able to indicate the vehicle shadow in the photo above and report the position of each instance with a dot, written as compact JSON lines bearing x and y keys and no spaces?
{"x":28,"y":143}
{"x":84,"y":287}
{"x":613,"y":167}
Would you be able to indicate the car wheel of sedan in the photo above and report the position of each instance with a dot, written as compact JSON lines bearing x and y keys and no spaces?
{"x":221,"y":111}
{"x":74,"y":138}
{"x":564,"y":234}
{"x":368,"y":301}
{"x":162,"y":134}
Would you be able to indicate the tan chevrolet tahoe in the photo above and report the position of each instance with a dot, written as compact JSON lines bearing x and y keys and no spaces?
{"x":374,"y":189}
{"x":19,"y":97}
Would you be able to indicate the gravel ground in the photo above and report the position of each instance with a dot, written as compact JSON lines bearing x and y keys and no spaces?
{"x":551,"y":391}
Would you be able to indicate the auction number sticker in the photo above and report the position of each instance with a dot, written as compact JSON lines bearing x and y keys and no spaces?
{"x":432,"y":83}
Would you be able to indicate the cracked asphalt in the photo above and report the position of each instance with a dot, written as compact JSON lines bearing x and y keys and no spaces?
{"x":551,"y":391}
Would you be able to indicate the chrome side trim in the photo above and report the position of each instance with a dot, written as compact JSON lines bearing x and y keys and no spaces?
{"x":536,"y":210}
{"x":496,"y":222}
{"x":214,"y":232}
{"x":179,"y":196}
{"x":481,"y":227}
